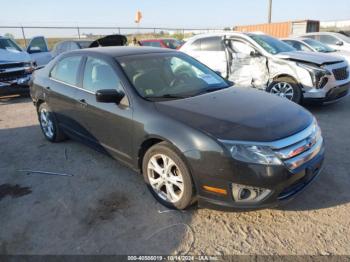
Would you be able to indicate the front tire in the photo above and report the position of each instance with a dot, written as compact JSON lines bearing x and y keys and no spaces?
{"x":286,"y":87}
{"x":168,"y":177}
{"x":49,"y":125}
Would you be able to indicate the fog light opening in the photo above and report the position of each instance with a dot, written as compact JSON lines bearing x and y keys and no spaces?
{"x":242,"y":193}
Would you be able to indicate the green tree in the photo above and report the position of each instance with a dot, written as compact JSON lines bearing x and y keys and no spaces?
{"x":9,"y":35}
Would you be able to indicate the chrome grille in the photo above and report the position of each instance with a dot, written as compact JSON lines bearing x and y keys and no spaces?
{"x":13,"y":65}
{"x":341,"y":73}
{"x":302,"y":150}
{"x":9,"y":76}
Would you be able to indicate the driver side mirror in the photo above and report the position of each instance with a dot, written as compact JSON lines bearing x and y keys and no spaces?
{"x":109,"y":96}
{"x":34,"y":49}
{"x":339,"y":43}
{"x":254,"y":54}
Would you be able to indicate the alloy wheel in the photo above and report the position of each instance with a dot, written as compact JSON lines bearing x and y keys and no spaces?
{"x":283,"y":89}
{"x":46,"y":123}
{"x":165,"y":178}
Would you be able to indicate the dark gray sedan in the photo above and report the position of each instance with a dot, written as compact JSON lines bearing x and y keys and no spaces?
{"x":190,"y":133}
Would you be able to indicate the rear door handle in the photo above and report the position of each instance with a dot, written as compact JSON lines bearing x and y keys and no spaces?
{"x":83,"y":102}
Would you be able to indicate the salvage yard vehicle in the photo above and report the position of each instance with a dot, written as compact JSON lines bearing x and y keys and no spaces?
{"x":191,"y":133}
{"x":17,"y":65}
{"x":337,"y":41}
{"x":162,"y":43}
{"x":266,"y":63}
{"x":311,"y":45}
{"x":70,"y":45}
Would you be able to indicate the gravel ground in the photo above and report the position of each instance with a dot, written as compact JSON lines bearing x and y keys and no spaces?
{"x":105,"y":208}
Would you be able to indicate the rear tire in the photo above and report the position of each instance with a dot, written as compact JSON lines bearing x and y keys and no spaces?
{"x":167,"y":176}
{"x":286,"y":87}
{"x":49,"y":125}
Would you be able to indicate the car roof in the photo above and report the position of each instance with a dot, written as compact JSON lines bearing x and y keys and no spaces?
{"x":119,"y":51}
{"x":158,"y":39}
{"x":225,"y":33}
{"x":299,"y":39}
{"x":320,"y":33}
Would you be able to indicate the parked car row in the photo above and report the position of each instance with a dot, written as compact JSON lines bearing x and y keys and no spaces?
{"x":16,"y":65}
{"x":191,"y":133}
{"x":189,"y":120}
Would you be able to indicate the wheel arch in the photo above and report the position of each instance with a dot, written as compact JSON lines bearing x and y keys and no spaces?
{"x":276,"y":77}
{"x":147,"y":143}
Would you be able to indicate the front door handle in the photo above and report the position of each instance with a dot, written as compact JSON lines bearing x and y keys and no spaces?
{"x":83,"y":102}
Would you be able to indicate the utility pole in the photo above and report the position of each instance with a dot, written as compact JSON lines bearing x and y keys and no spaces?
{"x":270,"y":11}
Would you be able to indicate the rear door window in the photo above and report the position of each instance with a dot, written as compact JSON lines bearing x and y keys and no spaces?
{"x":66,"y":70}
{"x":99,"y":75}
{"x":155,"y":44}
{"x":212,"y":44}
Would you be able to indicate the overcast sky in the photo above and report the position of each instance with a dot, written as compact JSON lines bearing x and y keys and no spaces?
{"x":162,"y":13}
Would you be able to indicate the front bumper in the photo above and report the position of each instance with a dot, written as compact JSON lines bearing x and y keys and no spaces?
{"x":332,"y":95}
{"x":17,"y":86}
{"x":220,"y":179}
{"x":284,"y":184}
{"x":333,"y":90}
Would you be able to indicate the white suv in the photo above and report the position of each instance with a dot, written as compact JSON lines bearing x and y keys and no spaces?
{"x":261,"y":61}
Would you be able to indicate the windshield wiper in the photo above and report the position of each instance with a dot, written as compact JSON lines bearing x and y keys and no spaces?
{"x":212,"y":89}
{"x":171,"y":96}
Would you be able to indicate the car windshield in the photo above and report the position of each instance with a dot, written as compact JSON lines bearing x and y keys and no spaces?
{"x":170,"y":76}
{"x":272,"y":45}
{"x":171,"y":43}
{"x":8,"y":44}
{"x":318,"y":46}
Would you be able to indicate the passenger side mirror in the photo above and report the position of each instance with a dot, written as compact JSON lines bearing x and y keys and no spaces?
{"x":33,"y":50}
{"x":339,"y":43}
{"x":109,"y":96}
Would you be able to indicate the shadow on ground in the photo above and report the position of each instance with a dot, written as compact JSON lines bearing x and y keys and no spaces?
{"x":104,"y":208}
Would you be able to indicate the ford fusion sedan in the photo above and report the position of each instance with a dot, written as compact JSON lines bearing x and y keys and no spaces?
{"x":192,"y":135}
{"x":266,"y":63}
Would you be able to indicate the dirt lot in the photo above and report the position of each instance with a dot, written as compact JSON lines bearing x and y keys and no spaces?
{"x":105,"y":208}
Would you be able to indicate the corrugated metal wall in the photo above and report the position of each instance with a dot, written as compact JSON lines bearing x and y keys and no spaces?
{"x":283,"y":29}
{"x":274,"y":29}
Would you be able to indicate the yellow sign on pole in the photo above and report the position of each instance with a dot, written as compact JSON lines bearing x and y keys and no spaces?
{"x":138,"y":17}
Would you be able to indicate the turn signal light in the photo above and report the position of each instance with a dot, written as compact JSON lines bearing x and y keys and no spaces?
{"x":215,"y":190}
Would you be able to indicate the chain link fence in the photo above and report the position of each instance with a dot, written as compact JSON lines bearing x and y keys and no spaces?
{"x":54,"y":34}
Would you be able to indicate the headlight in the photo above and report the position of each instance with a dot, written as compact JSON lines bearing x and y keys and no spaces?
{"x":29,"y":67}
{"x":254,"y":154}
{"x":317,"y":74}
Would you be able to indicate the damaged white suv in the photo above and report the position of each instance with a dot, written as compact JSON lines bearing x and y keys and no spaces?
{"x":261,"y":61}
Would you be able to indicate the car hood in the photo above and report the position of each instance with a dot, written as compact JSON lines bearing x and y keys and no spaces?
{"x":310,"y":57}
{"x":239,"y":114}
{"x":344,"y":54}
{"x":8,"y":56}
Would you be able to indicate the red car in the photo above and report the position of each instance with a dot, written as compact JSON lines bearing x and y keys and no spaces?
{"x":164,"y":43}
